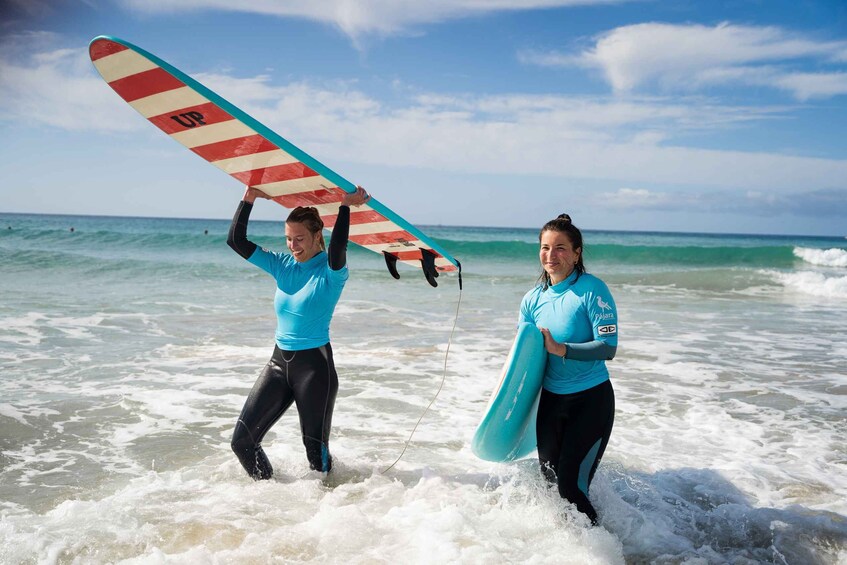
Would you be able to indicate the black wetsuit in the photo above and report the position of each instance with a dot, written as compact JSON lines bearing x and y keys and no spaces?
{"x":305,"y":376}
{"x":577,"y":406}
{"x":573,"y":431}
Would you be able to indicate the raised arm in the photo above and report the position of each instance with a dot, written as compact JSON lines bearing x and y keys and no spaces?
{"x":237,"y":238}
{"x":337,"y":250}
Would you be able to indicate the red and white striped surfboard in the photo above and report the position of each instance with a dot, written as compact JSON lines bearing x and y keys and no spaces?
{"x":254,"y":155}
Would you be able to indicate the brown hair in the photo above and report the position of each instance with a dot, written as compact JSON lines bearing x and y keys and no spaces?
{"x":563,"y":224}
{"x":309,"y":217}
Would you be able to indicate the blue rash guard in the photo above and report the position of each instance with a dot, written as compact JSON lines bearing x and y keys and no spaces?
{"x":306,"y":296}
{"x":579,"y":312}
{"x":301,"y":369}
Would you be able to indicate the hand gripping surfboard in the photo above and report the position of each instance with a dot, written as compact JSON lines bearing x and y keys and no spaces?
{"x":254,"y":155}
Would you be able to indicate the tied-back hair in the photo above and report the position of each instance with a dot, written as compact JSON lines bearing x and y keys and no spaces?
{"x":563,"y":224}
{"x":309,"y":217}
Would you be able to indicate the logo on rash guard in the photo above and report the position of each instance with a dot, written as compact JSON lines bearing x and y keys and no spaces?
{"x":606,"y":308}
{"x":606,"y":330}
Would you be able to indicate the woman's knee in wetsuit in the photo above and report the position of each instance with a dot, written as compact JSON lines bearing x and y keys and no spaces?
{"x":306,"y":377}
{"x":315,"y":384}
{"x":250,"y":453}
{"x":573,"y":431}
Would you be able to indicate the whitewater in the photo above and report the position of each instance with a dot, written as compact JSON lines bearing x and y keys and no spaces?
{"x":128,"y":345}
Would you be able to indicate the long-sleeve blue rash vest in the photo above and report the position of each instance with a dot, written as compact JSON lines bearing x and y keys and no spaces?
{"x":306,"y":296}
{"x":579,"y":312}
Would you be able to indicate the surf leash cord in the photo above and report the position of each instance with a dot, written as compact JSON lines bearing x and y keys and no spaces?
{"x":443,"y":376}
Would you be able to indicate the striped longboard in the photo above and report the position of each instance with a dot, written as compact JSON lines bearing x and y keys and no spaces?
{"x":254,"y":155}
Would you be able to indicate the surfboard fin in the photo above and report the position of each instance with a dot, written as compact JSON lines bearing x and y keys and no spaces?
{"x":428,"y":265}
{"x":391,"y":263}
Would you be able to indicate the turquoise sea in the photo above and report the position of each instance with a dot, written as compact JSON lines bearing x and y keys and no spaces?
{"x":128,"y":346}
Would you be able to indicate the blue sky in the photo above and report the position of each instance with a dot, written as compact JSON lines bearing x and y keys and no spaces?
{"x":720,"y":116}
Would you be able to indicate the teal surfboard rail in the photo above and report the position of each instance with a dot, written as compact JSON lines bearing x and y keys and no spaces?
{"x":507,"y":429}
{"x":286,"y":145}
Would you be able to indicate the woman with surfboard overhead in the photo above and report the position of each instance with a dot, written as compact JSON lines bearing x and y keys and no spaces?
{"x":578,"y":319}
{"x":309,"y":282}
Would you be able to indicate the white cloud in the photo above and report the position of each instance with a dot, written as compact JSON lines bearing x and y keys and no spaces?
{"x":521,"y":134}
{"x":361,"y":17}
{"x":59,"y":87}
{"x":556,"y":136}
{"x":813,"y":203}
{"x":686,"y":57}
{"x":814,"y":85}
{"x":641,"y":198}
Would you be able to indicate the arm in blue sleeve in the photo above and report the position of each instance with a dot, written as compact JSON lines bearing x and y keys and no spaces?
{"x":592,"y":351}
{"x":337,"y":251}
{"x":237,"y":238}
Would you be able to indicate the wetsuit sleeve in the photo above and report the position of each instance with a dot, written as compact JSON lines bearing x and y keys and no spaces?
{"x":592,"y":351}
{"x":337,"y":251}
{"x":237,"y":238}
{"x":603,"y":315}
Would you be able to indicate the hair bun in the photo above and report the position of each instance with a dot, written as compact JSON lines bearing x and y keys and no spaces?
{"x":564,"y":217}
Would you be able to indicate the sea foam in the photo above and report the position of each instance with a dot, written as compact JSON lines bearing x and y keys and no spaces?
{"x":123,"y":379}
{"x":812,"y":283}
{"x":824,"y":257}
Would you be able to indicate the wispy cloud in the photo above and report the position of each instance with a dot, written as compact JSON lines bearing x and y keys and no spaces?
{"x":689,"y":57}
{"x":813,"y":85}
{"x":555,"y":136}
{"x":628,"y":140}
{"x":43,"y":83}
{"x":357,"y":18}
{"x":813,"y":203}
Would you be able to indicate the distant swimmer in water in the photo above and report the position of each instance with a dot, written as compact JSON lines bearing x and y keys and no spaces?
{"x":301,"y":370}
{"x":72,"y":229}
{"x":578,"y":318}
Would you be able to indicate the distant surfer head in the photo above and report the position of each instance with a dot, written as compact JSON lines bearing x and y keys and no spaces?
{"x":560,"y":250}
{"x":304,"y":233}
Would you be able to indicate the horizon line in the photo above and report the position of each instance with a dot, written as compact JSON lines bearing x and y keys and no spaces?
{"x":671,"y":232}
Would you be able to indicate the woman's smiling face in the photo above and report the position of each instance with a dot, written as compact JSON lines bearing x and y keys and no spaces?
{"x":302,"y":243}
{"x":558,"y":257}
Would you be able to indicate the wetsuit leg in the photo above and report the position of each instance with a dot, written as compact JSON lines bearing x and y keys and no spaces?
{"x":573,"y":431}
{"x":268,"y":400}
{"x":315,"y":383}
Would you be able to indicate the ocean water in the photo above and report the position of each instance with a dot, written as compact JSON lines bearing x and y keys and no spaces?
{"x":128,"y":346}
